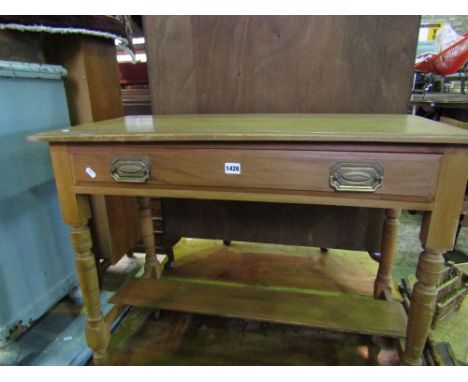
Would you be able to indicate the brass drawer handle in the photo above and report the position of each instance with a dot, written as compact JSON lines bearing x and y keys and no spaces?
{"x":356,"y":176}
{"x":130,"y":169}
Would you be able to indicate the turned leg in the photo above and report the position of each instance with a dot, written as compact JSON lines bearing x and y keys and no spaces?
{"x":423,"y":301}
{"x":76,"y":213}
{"x":97,"y":331}
{"x":437,"y":235}
{"x":383,"y":280}
{"x":152,"y":266}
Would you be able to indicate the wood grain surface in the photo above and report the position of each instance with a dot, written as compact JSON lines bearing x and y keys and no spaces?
{"x":92,"y":83}
{"x":341,"y":312}
{"x":404,"y":174}
{"x":280,"y":64}
{"x":382,"y":128}
{"x":294,"y":224}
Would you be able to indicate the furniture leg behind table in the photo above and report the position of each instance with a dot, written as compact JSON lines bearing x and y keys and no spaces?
{"x":152,"y":267}
{"x":383,"y":281}
{"x":437,"y":236}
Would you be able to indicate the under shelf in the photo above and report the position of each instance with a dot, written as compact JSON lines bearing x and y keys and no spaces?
{"x":331,"y":311}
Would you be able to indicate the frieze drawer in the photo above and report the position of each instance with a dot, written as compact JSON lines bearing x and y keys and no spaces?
{"x":396,"y":174}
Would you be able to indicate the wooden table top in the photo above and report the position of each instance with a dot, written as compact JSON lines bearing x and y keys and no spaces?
{"x":376,"y":128}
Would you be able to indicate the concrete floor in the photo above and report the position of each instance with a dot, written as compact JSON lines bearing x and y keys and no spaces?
{"x":57,"y":339}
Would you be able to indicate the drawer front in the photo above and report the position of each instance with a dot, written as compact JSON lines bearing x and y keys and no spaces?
{"x":319,"y":171}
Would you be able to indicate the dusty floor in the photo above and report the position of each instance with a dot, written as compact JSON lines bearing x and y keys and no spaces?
{"x":185,"y":339}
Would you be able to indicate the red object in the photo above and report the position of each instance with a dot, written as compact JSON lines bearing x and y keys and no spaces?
{"x":133,"y":74}
{"x":449,"y":61}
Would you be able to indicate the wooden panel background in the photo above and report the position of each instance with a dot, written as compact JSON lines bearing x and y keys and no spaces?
{"x":279,"y":64}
